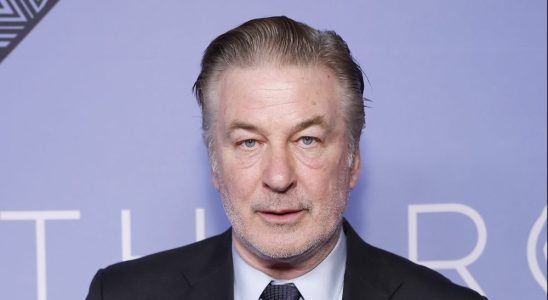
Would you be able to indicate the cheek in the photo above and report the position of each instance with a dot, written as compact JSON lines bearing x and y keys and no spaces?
{"x":317,"y":183}
{"x":327,"y":186}
{"x":324,"y":172}
{"x":238,"y":183}
{"x":246,"y":159}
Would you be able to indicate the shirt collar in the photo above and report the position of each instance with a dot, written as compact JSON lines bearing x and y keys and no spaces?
{"x":325,"y":281}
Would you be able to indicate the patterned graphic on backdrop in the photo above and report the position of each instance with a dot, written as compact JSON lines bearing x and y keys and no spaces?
{"x":17,"y":19}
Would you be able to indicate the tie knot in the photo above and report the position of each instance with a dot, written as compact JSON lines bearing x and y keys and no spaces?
{"x":281,"y":292}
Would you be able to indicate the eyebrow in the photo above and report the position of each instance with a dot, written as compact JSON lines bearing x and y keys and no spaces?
{"x":314,"y":121}
{"x":241,"y":125}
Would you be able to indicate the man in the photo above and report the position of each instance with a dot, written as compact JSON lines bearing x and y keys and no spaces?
{"x":282,"y":110}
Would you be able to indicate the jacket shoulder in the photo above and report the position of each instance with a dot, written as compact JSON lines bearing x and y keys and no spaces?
{"x":176,"y":259}
{"x":163,"y":275}
{"x":395,"y":277}
{"x":420,"y":282}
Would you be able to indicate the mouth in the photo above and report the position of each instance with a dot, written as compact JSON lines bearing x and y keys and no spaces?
{"x":281,"y":216}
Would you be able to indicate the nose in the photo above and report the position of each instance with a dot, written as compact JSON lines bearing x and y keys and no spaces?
{"x":278,"y":170}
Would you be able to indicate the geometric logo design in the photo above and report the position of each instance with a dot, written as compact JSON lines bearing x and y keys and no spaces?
{"x":17,"y":19}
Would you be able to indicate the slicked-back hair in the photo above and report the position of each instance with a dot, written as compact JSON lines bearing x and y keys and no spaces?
{"x":284,"y":42}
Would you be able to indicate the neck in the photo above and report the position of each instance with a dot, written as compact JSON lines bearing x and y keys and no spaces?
{"x":287,"y":268}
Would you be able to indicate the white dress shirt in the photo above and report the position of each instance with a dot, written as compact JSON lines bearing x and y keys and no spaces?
{"x":324,"y":282}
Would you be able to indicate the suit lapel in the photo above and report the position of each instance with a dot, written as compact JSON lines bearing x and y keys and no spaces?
{"x":211,"y":275}
{"x":364,"y":277}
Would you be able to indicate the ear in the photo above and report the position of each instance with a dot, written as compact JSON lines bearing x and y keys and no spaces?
{"x":215,"y":179}
{"x":355,"y":169}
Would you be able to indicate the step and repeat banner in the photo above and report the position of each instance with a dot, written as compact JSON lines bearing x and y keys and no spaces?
{"x":101,"y":158}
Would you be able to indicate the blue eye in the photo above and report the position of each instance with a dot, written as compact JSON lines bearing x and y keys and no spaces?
{"x":250,"y":143}
{"x":307,"y":140}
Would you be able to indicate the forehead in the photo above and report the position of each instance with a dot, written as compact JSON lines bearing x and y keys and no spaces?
{"x":278,"y":90}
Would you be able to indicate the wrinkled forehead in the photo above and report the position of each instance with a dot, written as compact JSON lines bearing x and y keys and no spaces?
{"x":278,"y":98}
{"x":270,"y":84}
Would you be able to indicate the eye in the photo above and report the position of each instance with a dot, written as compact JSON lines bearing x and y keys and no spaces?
{"x":307,"y":140}
{"x":249,"y":143}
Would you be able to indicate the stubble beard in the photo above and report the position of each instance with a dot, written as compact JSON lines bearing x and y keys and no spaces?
{"x":282,"y":247}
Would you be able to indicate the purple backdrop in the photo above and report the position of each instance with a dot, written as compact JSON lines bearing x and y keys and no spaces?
{"x":101,"y":156}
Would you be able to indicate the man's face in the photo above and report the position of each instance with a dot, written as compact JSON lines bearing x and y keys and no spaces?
{"x":281,"y":147}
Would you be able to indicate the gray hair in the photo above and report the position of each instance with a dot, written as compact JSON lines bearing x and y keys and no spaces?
{"x":283,"y":41}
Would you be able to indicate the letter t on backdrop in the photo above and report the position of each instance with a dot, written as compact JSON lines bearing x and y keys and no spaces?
{"x":40,"y":218}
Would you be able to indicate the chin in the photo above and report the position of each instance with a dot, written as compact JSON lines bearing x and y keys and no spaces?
{"x":288,"y":247}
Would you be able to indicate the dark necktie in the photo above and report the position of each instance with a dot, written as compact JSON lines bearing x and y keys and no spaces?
{"x":280,"y":292}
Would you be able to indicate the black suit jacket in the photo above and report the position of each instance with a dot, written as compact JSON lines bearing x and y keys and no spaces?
{"x":203,"y":270}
